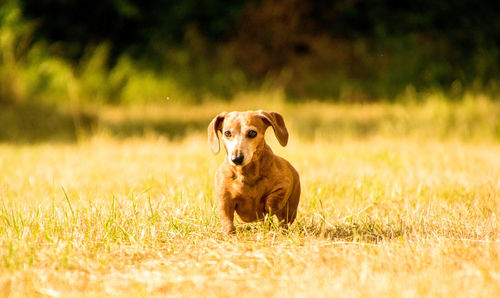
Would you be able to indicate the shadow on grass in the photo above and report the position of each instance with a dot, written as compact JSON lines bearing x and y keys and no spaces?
{"x":27,"y":123}
{"x":170,"y":128}
{"x":363,"y":231}
{"x":31,"y":123}
{"x":359,"y":127}
{"x":354,"y":230}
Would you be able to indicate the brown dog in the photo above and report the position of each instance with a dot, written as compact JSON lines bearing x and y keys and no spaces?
{"x":252,"y":180}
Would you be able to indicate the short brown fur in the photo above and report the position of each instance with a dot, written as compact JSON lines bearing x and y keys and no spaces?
{"x":265,"y":183}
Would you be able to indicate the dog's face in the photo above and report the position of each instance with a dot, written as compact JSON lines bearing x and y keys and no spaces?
{"x":243,"y":133}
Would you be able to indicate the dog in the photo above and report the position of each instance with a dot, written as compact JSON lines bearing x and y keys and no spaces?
{"x":252,"y":181}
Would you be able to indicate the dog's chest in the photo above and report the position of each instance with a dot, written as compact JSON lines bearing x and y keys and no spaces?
{"x":249,"y":203}
{"x":248,"y":192}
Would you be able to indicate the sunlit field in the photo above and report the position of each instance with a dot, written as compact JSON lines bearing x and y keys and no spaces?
{"x":397,"y":200}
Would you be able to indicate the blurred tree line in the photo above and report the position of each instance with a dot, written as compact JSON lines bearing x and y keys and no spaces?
{"x":346,"y":50}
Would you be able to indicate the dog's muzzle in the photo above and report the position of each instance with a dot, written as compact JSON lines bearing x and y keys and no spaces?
{"x":238,"y":159}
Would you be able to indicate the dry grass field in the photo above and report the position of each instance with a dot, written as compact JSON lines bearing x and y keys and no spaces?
{"x":411,"y":208}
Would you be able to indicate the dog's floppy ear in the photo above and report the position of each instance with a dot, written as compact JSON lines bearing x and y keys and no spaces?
{"x":213,"y":136}
{"x":276,"y":121}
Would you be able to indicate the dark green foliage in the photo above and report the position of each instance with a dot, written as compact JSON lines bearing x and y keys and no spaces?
{"x":130,"y":25}
{"x":455,"y":35}
{"x":342,"y":50}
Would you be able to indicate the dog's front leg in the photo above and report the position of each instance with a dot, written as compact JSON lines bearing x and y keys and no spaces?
{"x":275,"y":201}
{"x":226,"y":214}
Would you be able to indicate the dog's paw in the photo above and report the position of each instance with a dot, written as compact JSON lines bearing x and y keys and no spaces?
{"x":229,"y":230}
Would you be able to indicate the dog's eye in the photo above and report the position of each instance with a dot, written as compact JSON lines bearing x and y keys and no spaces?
{"x":252,"y":134}
{"x":227,"y":134}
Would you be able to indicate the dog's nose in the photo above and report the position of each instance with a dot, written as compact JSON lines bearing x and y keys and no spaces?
{"x":237,"y":160}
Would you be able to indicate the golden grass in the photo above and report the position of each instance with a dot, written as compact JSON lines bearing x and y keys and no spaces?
{"x":378,"y":216}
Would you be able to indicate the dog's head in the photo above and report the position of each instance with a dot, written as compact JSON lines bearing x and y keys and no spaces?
{"x":243,"y":133}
